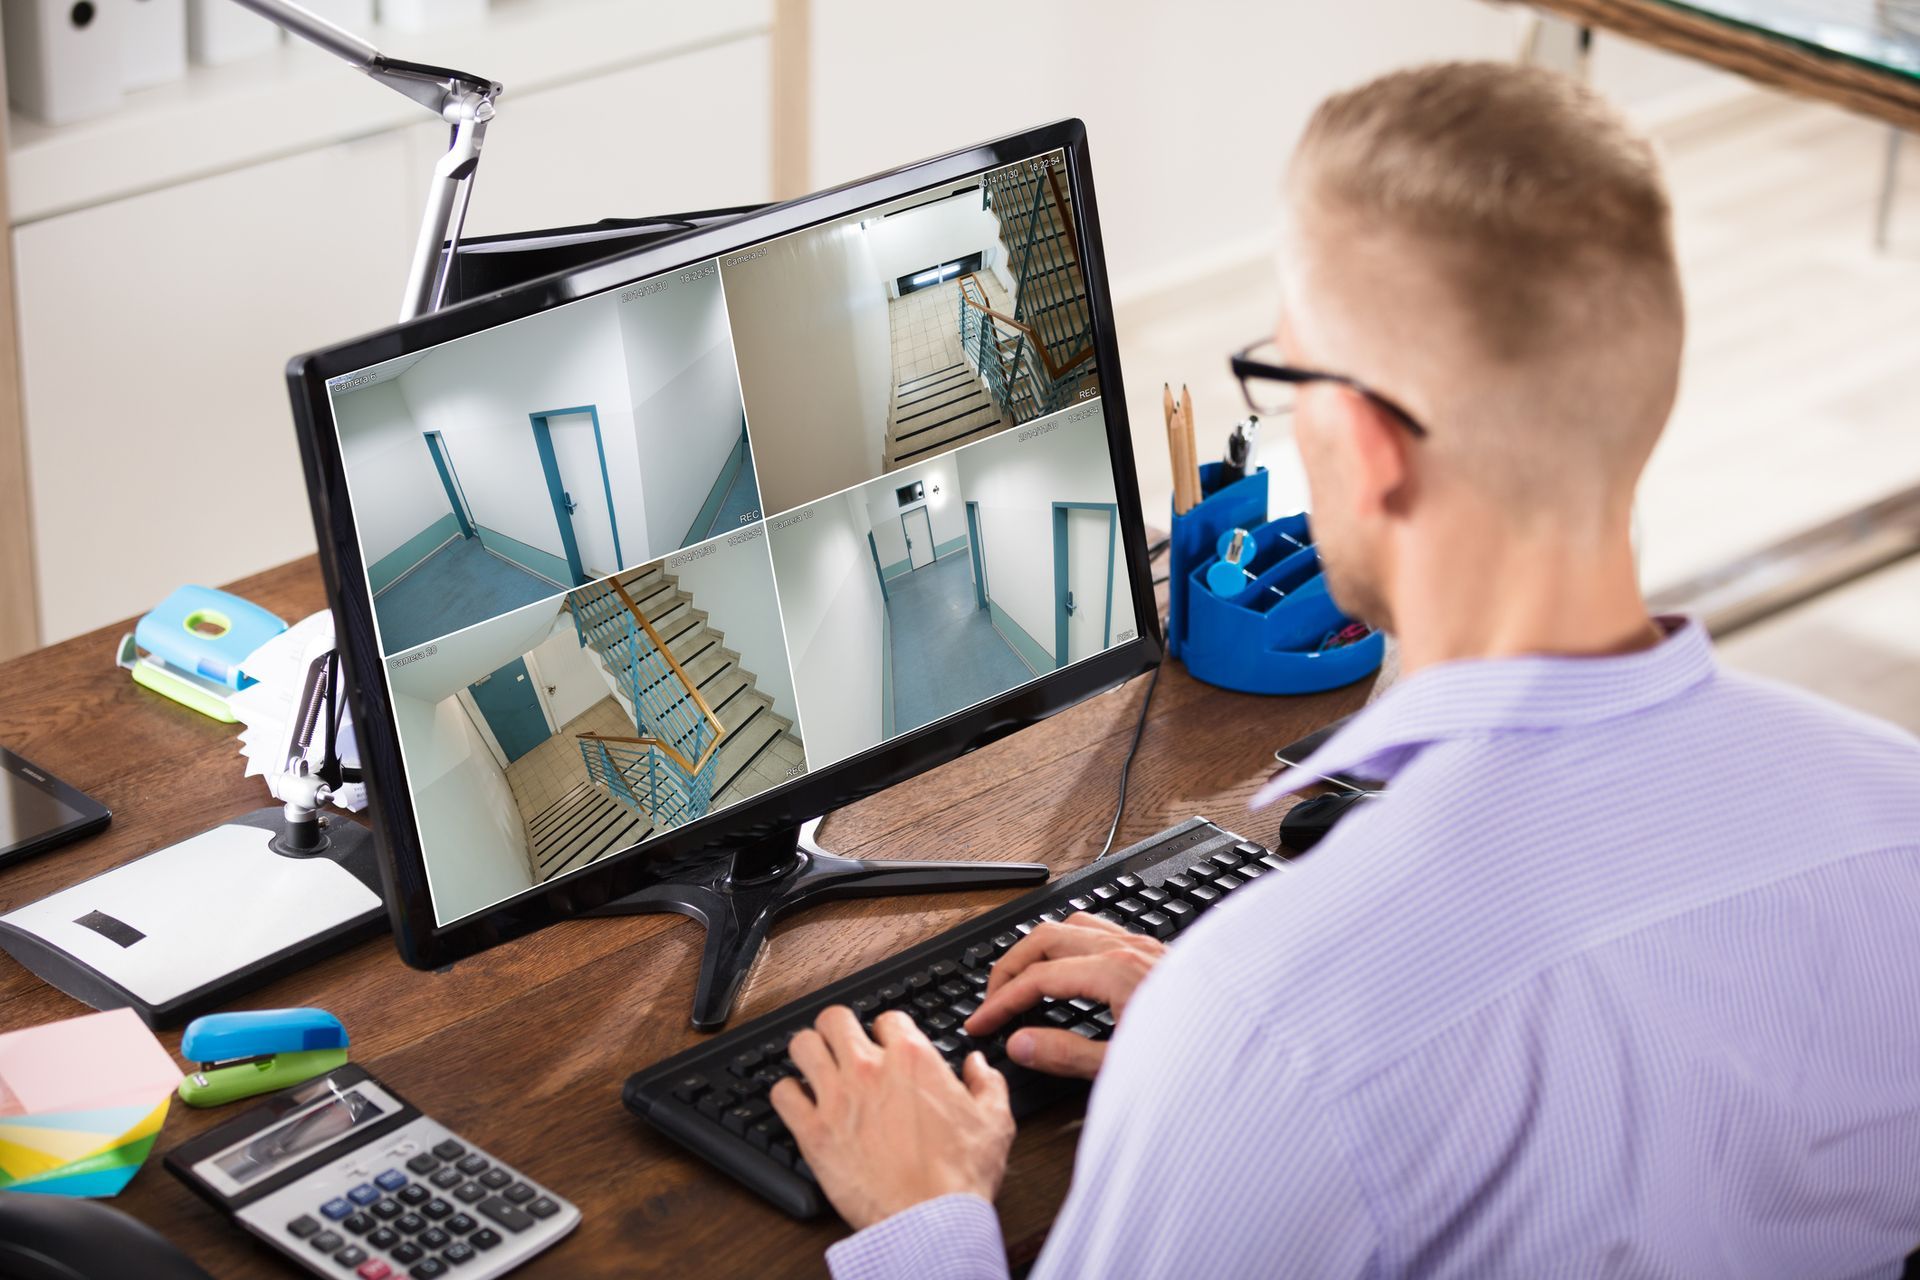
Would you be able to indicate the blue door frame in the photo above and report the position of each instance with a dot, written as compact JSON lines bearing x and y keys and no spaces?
{"x":979,"y":556}
{"x":1060,"y":510}
{"x":511,"y":707}
{"x":456,"y":497}
{"x":874,"y":548}
{"x":557,"y":493}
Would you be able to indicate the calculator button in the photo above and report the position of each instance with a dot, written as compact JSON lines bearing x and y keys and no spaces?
{"x":385,"y":1210}
{"x":458,"y":1253}
{"x":448,"y":1177}
{"x":358,"y":1223}
{"x":436,"y":1209}
{"x":304,"y":1225}
{"x":351,"y":1256}
{"x":384,"y":1238}
{"x":374,"y":1269}
{"x":327,"y":1241}
{"x":432,"y":1238}
{"x":449,"y":1150}
{"x":425,"y":1162}
{"x":428,"y":1269}
{"x":406,"y":1251}
{"x":519,"y":1193}
{"x":391,"y":1180}
{"x":413,"y":1194}
{"x":485,"y":1238}
{"x":495,"y":1179}
{"x":469,"y":1193}
{"x":544,"y":1207}
{"x":510,"y":1216}
{"x":473,"y":1164}
{"x":364,"y":1194}
{"x":336,"y":1208}
{"x":459,"y":1224}
{"x":408,"y":1223}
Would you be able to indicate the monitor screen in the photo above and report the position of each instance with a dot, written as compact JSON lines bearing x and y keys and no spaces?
{"x":640,"y":558}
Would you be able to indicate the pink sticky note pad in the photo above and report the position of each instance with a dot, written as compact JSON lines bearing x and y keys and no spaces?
{"x":96,"y":1060}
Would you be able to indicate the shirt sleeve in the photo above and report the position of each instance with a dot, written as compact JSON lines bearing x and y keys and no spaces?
{"x":954,"y":1237}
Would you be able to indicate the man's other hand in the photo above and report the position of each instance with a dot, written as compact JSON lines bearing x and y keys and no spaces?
{"x":1079,"y":957}
{"x":888,"y":1125}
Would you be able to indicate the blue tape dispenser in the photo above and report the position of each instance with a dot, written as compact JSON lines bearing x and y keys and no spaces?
{"x":190,"y":647}
{"x":1248,"y":607}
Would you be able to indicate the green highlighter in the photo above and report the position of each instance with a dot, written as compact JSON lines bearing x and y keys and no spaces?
{"x":243,"y":1055}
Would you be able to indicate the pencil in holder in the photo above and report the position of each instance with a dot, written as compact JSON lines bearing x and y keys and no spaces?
{"x":1267,"y":623}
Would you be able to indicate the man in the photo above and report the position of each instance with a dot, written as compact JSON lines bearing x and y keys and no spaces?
{"x":1621,"y":976}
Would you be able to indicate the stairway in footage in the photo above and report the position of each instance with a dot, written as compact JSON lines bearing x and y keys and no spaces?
{"x":703,"y":735}
{"x":940,"y":400}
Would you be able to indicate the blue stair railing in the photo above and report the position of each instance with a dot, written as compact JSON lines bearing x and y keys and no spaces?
{"x":666,"y":772}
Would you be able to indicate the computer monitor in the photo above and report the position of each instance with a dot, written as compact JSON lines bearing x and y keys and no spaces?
{"x":640,"y":568}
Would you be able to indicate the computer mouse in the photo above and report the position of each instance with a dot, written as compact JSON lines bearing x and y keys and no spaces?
{"x":1307,"y":823}
{"x":61,"y":1238}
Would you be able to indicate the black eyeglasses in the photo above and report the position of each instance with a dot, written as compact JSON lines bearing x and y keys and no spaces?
{"x":1256,"y":372}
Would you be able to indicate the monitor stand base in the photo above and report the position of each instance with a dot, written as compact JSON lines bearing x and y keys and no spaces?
{"x":742,"y":897}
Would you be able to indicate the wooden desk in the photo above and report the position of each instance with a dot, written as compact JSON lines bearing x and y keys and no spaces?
{"x":524,"y":1048}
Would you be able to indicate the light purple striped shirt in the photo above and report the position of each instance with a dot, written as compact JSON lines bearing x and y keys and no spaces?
{"x":1620,"y":978}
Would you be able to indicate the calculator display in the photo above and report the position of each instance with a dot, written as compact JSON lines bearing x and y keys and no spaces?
{"x":306,"y":1133}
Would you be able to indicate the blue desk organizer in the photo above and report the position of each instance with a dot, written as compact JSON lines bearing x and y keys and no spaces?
{"x":1253,"y":640}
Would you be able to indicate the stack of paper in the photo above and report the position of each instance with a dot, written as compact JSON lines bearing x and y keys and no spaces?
{"x":81,"y":1102}
{"x":271,"y":708}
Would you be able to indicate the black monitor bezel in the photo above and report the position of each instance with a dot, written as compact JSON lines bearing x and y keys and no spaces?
{"x":422,"y":940}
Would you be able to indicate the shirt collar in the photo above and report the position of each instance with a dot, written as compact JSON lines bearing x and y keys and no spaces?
{"x":1485,"y":696}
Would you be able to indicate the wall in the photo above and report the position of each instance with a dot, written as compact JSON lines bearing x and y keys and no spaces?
{"x":463,"y":657}
{"x":931,"y":234}
{"x":946,"y":510}
{"x":733,"y":586}
{"x":830,"y":599}
{"x":573,"y":673}
{"x":395,"y":488}
{"x":1016,"y":485}
{"x":810,"y":326}
{"x":686,"y":404}
{"x":470,"y":830}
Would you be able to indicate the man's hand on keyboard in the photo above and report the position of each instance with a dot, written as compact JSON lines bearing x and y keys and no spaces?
{"x":1082,"y":957}
{"x":888,"y":1125}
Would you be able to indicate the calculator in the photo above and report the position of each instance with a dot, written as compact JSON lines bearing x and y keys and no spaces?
{"x":348,"y":1179}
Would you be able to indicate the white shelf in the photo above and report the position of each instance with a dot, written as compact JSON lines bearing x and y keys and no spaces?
{"x":296,"y":99}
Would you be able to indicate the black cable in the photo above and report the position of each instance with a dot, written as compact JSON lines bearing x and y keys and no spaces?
{"x":1126,"y":766}
{"x":1158,"y":547}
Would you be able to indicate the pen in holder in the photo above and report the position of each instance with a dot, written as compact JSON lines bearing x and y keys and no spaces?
{"x":1273,"y":628}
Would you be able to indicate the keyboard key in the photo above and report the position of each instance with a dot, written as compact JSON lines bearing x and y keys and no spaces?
{"x":411,"y":1194}
{"x":919,"y":981}
{"x":744,"y":1063}
{"x":1252,"y":871}
{"x":519,"y":1193}
{"x":358,"y":1223}
{"x":391,"y":1180}
{"x":1271,"y":863}
{"x":449,"y":1150}
{"x":1081,"y":903}
{"x":1051,"y":917}
{"x":1104,"y":1018}
{"x":1026,"y":927}
{"x":447,"y":1177}
{"x":384,"y":1238}
{"x":1129,"y":907}
{"x":1061,"y":1015}
{"x":303,"y":1226}
{"x":1227,"y":884}
{"x":977,"y":955}
{"x":1005,"y":941}
{"x":1181,"y":913}
{"x":458,"y":1252}
{"x":1227,"y":859}
{"x":689,"y":1088}
{"x":1109,"y":917}
{"x":1206,"y":895}
{"x":943,"y":968}
{"x":408,"y":1223}
{"x":435,"y":1209}
{"x":953,"y":988}
{"x":511,"y":1216}
{"x":471,"y":1192}
{"x":336,"y":1208}
{"x":866,"y":1006}
{"x":1106,"y":893}
{"x":351,"y":1256}
{"x":544,"y":1207}
{"x":714,"y":1101}
{"x":429,"y":1269}
{"x":1130,"y":882}
{"x":893,"y":993}
{"x":928,"y":1000}
{"x":433,"y":1238}
{"x":364,"y":1194}
{"x":406,"y":1251}
{"x":498,"y":1178}
{"x":1156,"y":924}
{"x":424,"y":1163}
{"x":327,"y":1241}
{"x":374,"y":1269}
{"x":1153,"y":897}
{"x":459,"y":1224}
{"x":483,"y":1239}
{"x":937,"y":1021}
{"x":472,"y":1164}
{"x":1091,"y":1030}
{"x":1181,"y":883}
{"x":1083,"y":1004}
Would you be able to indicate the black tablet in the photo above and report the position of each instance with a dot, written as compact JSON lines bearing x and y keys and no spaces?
{"x":39,"y":812}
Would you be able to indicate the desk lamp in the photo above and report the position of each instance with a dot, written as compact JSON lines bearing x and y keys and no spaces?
{"x":193,"y":925}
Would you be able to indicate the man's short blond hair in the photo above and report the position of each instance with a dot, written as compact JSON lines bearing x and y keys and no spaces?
{"x":1528,"y":204}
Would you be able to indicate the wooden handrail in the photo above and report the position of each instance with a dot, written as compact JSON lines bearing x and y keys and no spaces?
{"x":1054,"y":371}
{"x":691,"y":766}
{"x":693,"y":691}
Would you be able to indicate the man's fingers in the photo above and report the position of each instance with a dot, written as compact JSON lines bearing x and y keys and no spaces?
{"x":843,"y":1034}
{"x":1108,"y":976}
{"x":796,"y":1110}
{"x":984,"y":1083}
{"x":894,"y":1029}
{"x":1053,"y":942}
{"x":809,"y":1051}
{"x":1058,"y":1053}
{"x":1092,"y":920}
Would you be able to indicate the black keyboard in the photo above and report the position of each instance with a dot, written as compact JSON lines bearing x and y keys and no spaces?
{"x":712,"y":1099}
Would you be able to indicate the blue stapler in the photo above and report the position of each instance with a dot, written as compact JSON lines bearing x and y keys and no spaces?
{"x":191,"y":646}
{"x":244,"y":1054}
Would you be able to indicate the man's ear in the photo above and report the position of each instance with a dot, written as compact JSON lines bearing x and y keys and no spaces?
{"x":1377,"y":449}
